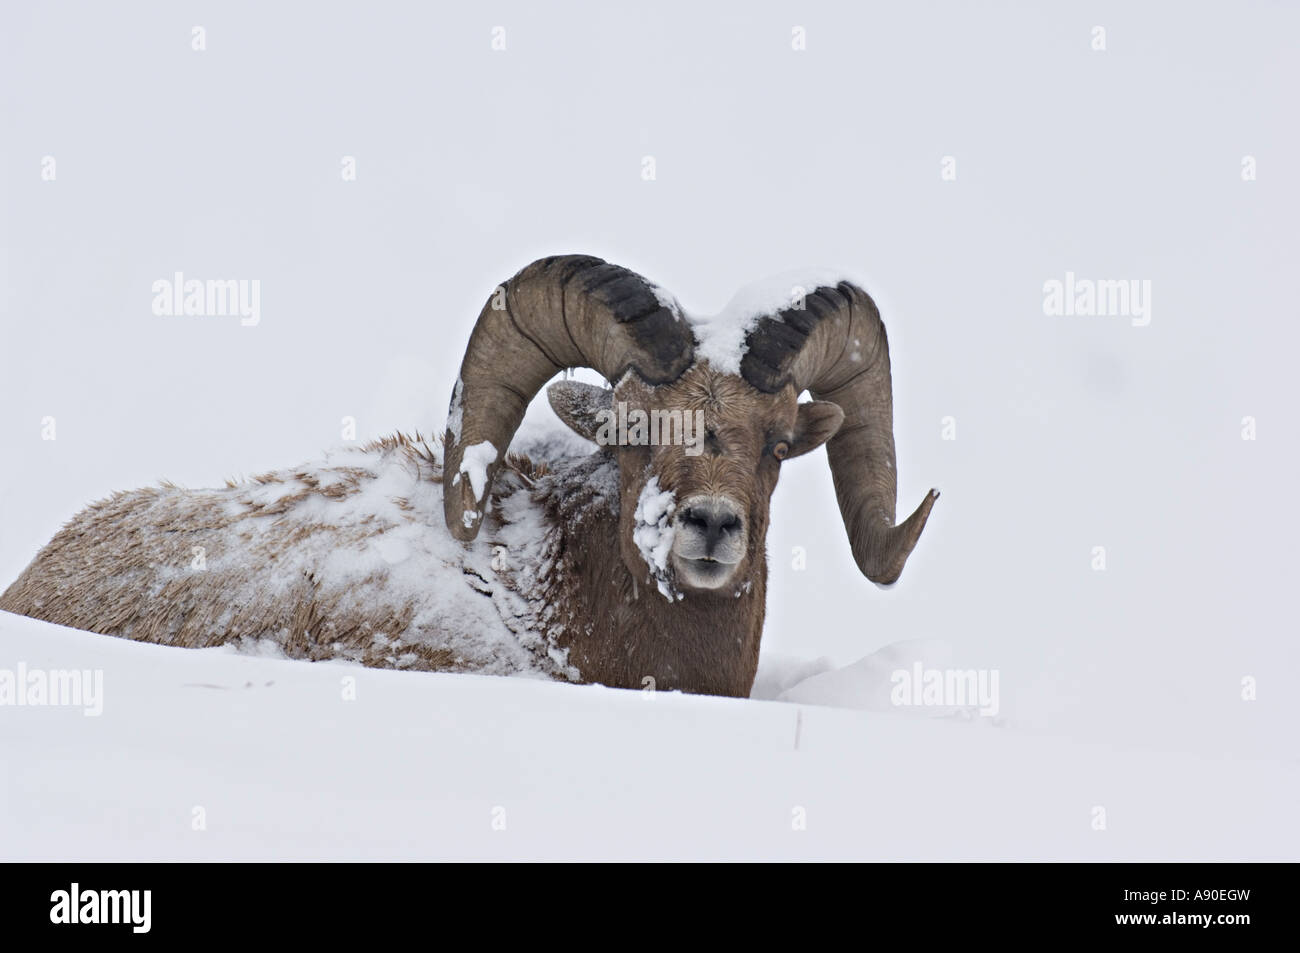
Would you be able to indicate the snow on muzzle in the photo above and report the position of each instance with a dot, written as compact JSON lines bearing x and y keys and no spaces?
{"x":709,"y":541}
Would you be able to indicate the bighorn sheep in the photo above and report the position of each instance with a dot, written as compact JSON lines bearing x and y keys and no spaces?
{"x":639,"y":560}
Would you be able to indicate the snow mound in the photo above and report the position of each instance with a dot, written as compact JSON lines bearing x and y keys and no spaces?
{"x":873,"y":683}
{"x":332,"y":761}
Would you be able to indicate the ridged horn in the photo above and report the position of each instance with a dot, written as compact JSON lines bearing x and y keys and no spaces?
{"x":557,"y":313}
{"x":835,"y":347}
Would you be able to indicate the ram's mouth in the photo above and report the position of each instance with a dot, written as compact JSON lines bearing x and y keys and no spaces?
{"x":704,"y":572}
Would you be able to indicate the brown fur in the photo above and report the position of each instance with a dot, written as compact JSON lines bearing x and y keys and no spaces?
{"x":620,"y":629}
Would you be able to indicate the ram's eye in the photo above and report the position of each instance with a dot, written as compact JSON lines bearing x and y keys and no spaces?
{"x":780,"y":450}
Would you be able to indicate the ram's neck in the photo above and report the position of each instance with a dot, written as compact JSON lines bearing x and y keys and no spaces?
{"x":620,"y":630}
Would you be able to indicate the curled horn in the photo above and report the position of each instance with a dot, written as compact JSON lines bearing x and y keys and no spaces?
{"x":557,"y":313}
{"x":835,"y":347}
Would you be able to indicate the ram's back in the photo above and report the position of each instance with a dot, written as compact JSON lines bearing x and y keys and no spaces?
{"x":345,"y":558}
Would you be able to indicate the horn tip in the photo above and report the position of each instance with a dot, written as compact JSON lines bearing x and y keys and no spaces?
{"x":887,"y":566}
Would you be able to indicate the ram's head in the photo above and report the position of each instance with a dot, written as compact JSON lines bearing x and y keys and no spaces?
{"x":700,"y":430}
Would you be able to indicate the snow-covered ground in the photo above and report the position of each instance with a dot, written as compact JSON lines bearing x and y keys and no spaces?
{"x":268,"y":759}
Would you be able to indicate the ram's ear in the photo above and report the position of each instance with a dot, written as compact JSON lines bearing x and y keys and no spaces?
{"x":580,"y":406}
{"x":816,"y":423}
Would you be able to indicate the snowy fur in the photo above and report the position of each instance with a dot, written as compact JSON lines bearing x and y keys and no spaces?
{"x":653,"y":533}
{"x":343,"y":558}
